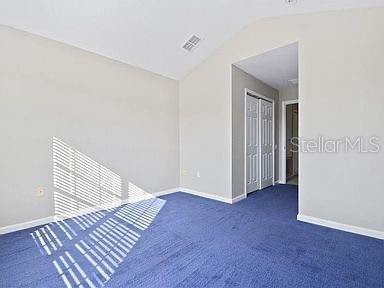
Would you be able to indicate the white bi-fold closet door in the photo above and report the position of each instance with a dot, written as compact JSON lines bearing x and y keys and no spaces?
{"x":259,"y":143}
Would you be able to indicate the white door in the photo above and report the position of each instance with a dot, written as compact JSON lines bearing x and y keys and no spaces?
{"x":266,"y":144}
{"x":252,"y":140}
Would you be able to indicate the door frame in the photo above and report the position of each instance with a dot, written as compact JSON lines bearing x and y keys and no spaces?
{"x":283,"y":154}
{"x":257,"y":95}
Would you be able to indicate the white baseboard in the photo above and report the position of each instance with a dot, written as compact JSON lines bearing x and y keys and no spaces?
{"x":202,"y":194}
{"x":147,"y":196}
{"x":46,"y":220}
{"x":341,"y":226}
{"x":43,"y":221}
{"x":206,"y":195}
{"x":26,"y":225}
{"x":166,"y":192}
{"x":238,"y":198}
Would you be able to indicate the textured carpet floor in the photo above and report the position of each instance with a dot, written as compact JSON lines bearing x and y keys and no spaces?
{"x":186,"y":241}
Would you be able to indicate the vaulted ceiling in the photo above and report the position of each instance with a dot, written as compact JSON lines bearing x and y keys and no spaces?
{"x":149,"y":33}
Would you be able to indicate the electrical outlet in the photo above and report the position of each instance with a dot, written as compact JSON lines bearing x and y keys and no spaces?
{"x":40,"y":191}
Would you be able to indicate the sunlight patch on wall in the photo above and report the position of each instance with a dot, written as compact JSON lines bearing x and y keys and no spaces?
{"x":91,"y":238}
{"x":81,"y":185}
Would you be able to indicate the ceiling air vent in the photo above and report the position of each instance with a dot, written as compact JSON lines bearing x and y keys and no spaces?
{"x":191,"y":43}
{"x":294,"y":81}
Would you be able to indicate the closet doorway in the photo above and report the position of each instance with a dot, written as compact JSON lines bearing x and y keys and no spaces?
{"x":259,"y":141}
{"x":289,"y":135}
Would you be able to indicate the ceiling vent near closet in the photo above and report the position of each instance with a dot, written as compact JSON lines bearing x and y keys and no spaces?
{"x":191,"y":43}
{"x":293,"y":82}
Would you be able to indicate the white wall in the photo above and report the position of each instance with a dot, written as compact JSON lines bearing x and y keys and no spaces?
{"x":127,"y":119}
{"x":240,"y":81}
{"x":122,"y":117}
{"x":205,"y":121}
{"x":340,"y":62}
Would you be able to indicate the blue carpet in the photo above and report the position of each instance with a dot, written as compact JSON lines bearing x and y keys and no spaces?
{"x":186,"y":241}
